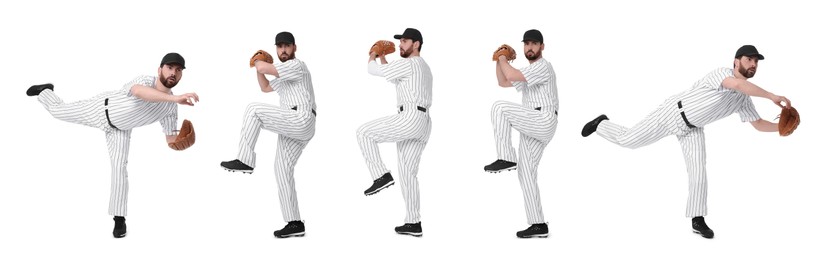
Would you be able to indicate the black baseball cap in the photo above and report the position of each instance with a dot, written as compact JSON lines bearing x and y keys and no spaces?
{"x":173,"y":58}
{"x":284,"y":37}
{"x":748,"y":50}
{"x":533,"y":35}
{"x":410,"y":33}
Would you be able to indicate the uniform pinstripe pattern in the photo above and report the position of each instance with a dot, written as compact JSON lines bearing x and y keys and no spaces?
{"x":410,"y":129}
{"x":539,"y":87}
{"x":413,"y":79}
{"x":707,"y":101}
{"x":126,"y":112}
{"x":294,"y":128}
{"x":536,"y":129}
{"x":118,"y":148}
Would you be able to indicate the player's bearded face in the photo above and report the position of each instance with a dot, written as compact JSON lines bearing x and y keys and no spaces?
{"x":174,"y":74}
{"x":747,"y":72}
{"x":533,"y":50}
{"x":406,"y":48}
{"x":286,"y":52}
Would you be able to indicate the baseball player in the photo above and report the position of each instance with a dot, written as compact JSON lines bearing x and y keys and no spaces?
{"x":535,"y":119}
{"x":717,"y":95}
{"x":409,"y":128}
{"x":293,"y":121}
{"x":142,"y":101}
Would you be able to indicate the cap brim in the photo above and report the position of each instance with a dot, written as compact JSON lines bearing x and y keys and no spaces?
{"x":398,"y":36}
{"x":175,"y":62}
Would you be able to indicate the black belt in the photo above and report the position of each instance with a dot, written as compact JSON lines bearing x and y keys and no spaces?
{"x":107,"y":116}
{"x":313,"y":110}
{"x":418,"y":108}
{"x":684,"y":116}
{"x":554,"y":111}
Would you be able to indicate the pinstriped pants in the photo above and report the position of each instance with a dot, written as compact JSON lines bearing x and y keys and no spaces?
{"x":410,"y":129}
{"x":294,"y":128}
{"x":536,"y":129}
{"x":90,"y":112}
{"x":665,"y":121}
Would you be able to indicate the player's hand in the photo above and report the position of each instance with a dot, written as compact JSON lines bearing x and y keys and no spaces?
{"x":779,"y":101}
{"x":186,"y":99}
{"x":502,"y":58}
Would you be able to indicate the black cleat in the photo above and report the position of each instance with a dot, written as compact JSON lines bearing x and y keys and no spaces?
{"x":292,"y":229}
{"x":236,"y":166}
{"x":700,"y":227}
{"x":535,"y":230}
{"x":591,"y":126}
{"x":36,"y":89}
{"x":500,"y":165}
{"x":381,"y":183}
{"x":410,"y":229}
{"x":119,"y":227}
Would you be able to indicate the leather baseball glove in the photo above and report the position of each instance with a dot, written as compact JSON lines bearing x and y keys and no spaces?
{"x":382,"y":47}
{"x":789,"y":120}
{"x":186,"y":137}
{"x":260,"y":55}
{"x":504,"y":50}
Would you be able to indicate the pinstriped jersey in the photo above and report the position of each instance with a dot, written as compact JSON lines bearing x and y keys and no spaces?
{"x":294,"y":84}
{"x":539,"y":87}
{"x":708,"y":101}
{"x":413,"y":80}
{"x":127,"y":111}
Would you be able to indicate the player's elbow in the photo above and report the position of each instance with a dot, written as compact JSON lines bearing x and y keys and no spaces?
{"x":505,"y":84}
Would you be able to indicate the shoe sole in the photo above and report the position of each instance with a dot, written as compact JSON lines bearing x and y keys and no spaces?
{"x":299,"y":234}
{"x":234,"y":170}
{"x":416,"y":234}
{"x":123,"y":235}
{"x":381,"y":188}
{"x":535,"y":236}
{"x":502,"y":170}
{"x":702,"y":235}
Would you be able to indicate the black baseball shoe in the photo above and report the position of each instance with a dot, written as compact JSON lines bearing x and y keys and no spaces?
{"x":119,"y":227}
{"x":236,"y":166}
{"x":700,"y":227}
{"x":500,"y":165}
{"x":36,"y":89}
{"x":535,"y":230}
{"x":410,"y":229}
{"x":591,"y":126}
{"x":292,"y":229}
{"x":381,"y":183}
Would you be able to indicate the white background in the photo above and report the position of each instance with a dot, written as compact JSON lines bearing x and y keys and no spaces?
{"x":621,"y":58}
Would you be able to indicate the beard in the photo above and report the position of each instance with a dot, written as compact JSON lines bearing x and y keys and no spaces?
{"x":168,"y":82}
{"x":531,"y":55}
{"x":746,"y":72}
{"x":286,"y":56}
{"x":406,"y":53}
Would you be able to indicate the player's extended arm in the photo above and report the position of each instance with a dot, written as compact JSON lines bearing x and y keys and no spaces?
{"x":511,"y":73}
{"x":153,"y":95}
{"x":765,"y":126}
{"x":263,"y":82}
{"x":751,"y":89}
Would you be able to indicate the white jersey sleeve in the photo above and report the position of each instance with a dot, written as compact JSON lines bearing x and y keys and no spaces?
{"x":169,"y":122}
{"x":148,"y":81}
{"x":535,"y":75}
{"x":396,"y":70}
{"x":287,"y":71}
{"x":747,"y":111}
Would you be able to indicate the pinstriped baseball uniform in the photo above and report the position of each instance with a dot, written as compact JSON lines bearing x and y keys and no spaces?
{"x":707,"y":101}
{"x":293,"y":121}
{"x":125,"y":112}
{"x":409,"y":128}
{"x":536,"y":129}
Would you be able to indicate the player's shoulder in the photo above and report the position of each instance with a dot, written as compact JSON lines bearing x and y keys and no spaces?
{"x":722,"y":71}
